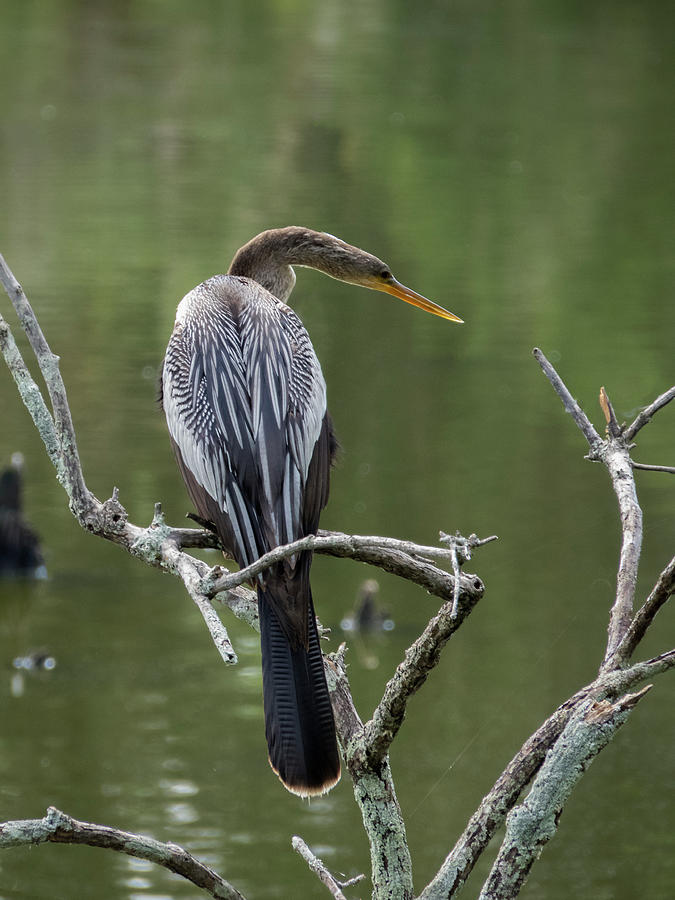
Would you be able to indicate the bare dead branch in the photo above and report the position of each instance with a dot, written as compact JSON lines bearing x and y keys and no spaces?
{"x":347,"y":720}
{"x":614,"y":454}
{"x":319,"y":868}
{"x":646,"y":414}
{"x":461,"y":549}
{"x":365,"y":748}
{"x":402,"y":558}
{"x":669,"y":469}
{"x":60,"y":828}
{"x":420,"y":658}
{"x":494,"y":807}
{"x":570,"y":404}
{"x":49,"y":366}
{"x":662,"y":590}
{"x":184,"y":566}
{"x":30,"y":393}
{"x":616,"y":459}
{"x":492,"y":810}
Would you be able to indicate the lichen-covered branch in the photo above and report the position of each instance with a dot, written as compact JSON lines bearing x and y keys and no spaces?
{"x":491,"y":813}
{"x":365,"y":748}
{"x":70,"y":470}
{"x":533,"y":823}
{"x":30,"y":394}
{"x":58,"y":827}
{"x":420,"y":658}
{"x":374,"y":792}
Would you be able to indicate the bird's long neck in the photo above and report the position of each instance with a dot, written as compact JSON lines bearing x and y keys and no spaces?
{"x":268,"y":258}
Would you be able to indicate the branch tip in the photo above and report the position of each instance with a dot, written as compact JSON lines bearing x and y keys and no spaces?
{"x":158,"y":519}
{"x":319,"y":868}
{"x":613,"y":427}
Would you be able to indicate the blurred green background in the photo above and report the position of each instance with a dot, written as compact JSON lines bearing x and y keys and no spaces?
{"x":512,"y":162}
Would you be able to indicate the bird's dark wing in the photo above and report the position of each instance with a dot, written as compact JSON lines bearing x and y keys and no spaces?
{"x":207,"y":408}
{"x":244,"y":399}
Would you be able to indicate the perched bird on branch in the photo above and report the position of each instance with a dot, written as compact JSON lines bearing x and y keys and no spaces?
{"x":245,"y":403}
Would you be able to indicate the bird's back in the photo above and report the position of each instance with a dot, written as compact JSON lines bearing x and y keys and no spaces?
{"x":245,"y":403}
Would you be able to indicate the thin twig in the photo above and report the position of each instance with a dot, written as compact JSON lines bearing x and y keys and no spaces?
{"x":30,"y":394}
{"x":188,"y":570}
{"x":60,"y":828}
{"x":319,"y":868}
{"x":456,"y":572}
{"x":570,"y":404}
{"x":614,"y":454}
{"x":646,"y":414}
{"x":669,"y":469}
{"x":385,"y":553}
{"x":662,"y":590}
{"x":49,"y":366}
{"x":642,"y":671}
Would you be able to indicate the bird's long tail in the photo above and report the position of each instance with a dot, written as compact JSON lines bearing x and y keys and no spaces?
{"x":299,"y":723}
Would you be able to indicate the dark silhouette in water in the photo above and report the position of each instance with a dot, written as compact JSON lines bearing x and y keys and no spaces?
{"x":20,"y":552}
{"x":367,"y":614}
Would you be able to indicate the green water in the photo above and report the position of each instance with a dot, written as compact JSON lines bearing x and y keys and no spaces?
{"x":512,"y":162}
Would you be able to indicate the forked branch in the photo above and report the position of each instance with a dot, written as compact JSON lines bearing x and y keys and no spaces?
{"x":614,"y":680}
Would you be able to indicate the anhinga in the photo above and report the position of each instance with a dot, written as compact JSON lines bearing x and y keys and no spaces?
{"x":245,"y":402}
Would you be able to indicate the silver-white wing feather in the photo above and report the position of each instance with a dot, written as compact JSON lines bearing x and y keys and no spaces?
{"x":245,"y":400}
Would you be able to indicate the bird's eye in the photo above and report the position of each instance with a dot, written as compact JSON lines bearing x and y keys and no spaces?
{"x":385,"y":275}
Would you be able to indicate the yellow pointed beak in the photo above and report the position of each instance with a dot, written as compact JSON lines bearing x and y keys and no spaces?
{"x":404,"y":293}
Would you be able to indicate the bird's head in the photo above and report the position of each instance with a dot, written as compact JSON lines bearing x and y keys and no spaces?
{"x":268,"y":258}
{"x":353,"y":265}
{"x":377,"y":276}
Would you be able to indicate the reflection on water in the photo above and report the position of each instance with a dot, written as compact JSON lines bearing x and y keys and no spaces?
{"x":511,"y":164}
